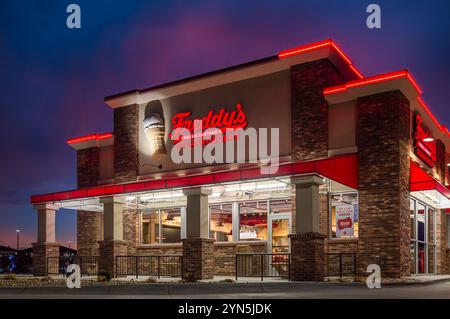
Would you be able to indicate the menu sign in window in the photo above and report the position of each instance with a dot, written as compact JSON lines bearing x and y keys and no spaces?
{"x":344,"y":220}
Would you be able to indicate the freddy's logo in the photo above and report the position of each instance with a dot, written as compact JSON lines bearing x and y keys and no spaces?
{"x":221,"y":119}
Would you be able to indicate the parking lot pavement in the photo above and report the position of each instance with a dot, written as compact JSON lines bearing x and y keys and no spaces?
{"x":236,"y":290}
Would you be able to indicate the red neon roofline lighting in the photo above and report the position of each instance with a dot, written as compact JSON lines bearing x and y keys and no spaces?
{"x":387,"y":77}
{"x":319,"y":45}
{"x":421,"y":101}
{"x":89,"y":138}
{"x":373,"y":80}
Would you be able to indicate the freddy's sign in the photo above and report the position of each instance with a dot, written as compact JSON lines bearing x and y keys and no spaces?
{"x":423,"y":142}
{"x":221,"y":120}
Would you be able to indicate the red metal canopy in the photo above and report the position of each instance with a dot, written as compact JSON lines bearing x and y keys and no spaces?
{"x":342,"y":169}
{"x":419,"y":180}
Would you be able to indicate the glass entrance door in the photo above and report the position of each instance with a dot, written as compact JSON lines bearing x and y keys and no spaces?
{"x":279,"y":229}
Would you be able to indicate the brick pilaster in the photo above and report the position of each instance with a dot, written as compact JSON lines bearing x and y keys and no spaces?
{"x":198,"y":259}
{"x":89,"y":231}
{"x":131,"y":230}
{"x":126,"y":132}
{"x":383,"y":138}
{"x":309,"y":108}
{"x":307,"y":257}
{"x":87,"y":167}
{"x":41,"y":252}
{"x":108,"y":250}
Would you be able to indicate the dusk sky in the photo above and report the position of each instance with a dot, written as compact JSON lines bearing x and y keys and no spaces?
{"x":53,"y":79}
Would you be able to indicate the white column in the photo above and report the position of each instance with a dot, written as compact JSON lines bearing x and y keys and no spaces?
{"x":197,"y":212}
{"x":307,"y":214}
{"x":112,"y":218}
{"x":46,"y":222}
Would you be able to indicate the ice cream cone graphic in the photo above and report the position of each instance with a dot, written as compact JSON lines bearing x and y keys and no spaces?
{"x":154,"y":130}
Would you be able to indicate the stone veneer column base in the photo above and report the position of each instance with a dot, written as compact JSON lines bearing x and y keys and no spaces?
{"x":40,"y":253}
{"x":198,"y":259}
{"x":307,"y":257}
{"x":108,"y":250}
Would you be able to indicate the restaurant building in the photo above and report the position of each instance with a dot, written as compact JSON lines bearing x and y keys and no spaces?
{"x":363,"y":169}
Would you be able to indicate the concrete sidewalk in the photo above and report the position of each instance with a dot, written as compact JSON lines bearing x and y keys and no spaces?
{"x":305,"y":290}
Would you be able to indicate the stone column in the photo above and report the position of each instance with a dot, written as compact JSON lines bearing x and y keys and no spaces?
{"x":46,"y":245}
{"x":113,"y":244}
{"x":307,"y":244}
{"x":198,"y":250}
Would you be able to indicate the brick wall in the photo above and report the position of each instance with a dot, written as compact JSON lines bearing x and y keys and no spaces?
{"x":89,"y":232}
{"x":126,"y":143}
{"x":341,"y":246}
{"x":225,"y":256}
{"x":383,"y":154}
{"x":166,"y":249}
{"x":309,"y":108}
{"x":87,"y":167}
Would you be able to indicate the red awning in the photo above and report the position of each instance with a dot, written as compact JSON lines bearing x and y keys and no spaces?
{"x":342,"y":169}
{"x":420,"y":180}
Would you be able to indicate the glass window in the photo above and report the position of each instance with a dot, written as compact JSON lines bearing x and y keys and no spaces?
{"x":171,"y":225}
{"x":413,"y":257}
{"x":161,"y":226}
{"x":448,"y":231}
{"x":423,"y":239}
{"x":421,"y":258}
{"x":281,"y":206}
{"x":412,"y":218}
{"x":420,"y":222}
{"x":221,"y":222}
{"x":253,"y":220}
{"x":150,"y":227}
{"x":344,"y":215}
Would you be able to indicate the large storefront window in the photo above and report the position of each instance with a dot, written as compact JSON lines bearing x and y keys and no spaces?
{"x":423,"y":238}
{"x":344,"y":215}
{"x":253,"y":220}
{"x":161,"y":226}
{"x":221,"y":222}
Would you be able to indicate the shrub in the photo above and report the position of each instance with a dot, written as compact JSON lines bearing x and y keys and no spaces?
{"x":103,"y":276}
{"x":151,"y":280}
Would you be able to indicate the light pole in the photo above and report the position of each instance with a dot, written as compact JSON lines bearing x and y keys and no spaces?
{"x":18,"y":238}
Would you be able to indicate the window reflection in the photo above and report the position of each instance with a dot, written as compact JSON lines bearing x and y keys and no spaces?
{"x":161,"y":226}
{"x":253,"y":220}
{"x":221,"y":222}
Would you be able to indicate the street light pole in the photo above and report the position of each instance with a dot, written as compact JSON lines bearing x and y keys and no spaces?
{"x":18,"y":238}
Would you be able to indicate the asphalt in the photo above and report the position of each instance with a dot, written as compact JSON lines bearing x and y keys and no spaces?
{"x":285,"y":290}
